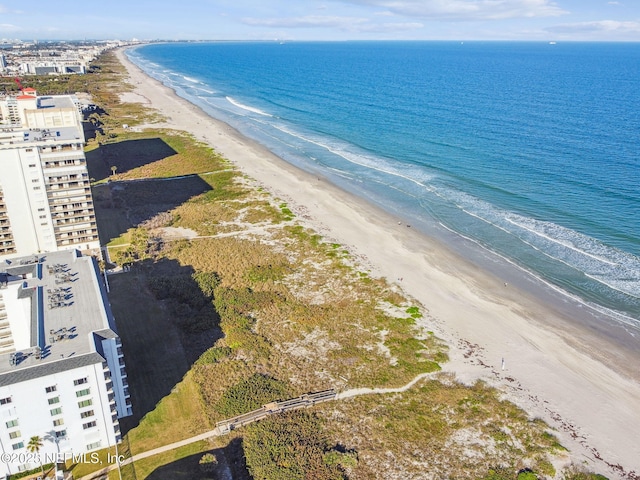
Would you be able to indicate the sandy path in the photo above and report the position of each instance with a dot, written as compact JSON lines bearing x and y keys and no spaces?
{"x":553,"y":369}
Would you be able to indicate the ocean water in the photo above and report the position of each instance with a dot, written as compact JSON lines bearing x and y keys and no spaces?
{"x":530,"y":152}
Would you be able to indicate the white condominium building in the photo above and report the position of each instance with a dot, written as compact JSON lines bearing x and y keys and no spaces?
{"x":62,"y":374}
{"x":45,"y":194}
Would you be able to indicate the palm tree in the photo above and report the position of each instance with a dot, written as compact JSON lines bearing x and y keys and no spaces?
{"x":34,"y":446}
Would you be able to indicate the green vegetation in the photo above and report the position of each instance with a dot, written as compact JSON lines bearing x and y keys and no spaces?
{"x":46,"y":468}
{"x":289,"y":446}
{"x":250,"y":394}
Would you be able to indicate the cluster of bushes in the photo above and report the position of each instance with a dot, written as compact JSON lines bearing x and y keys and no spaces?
{"x":293,"y":446}
{"x":138,"y":248}
{"x":251,"y":394}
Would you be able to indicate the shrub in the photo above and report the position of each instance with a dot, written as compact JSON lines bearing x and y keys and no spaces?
{"x":290,"y":446}
{"x":214,"y":355}
{"x":251,"y":394}
{"x":208,"y":463}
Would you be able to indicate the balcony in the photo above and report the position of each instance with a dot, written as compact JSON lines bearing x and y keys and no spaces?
{"x":89,"y":221}
{"x":62,"y":163}
{"x":59,"y":200}
{"x":76,"y":241}
{"x":62,"y":187}
{"x":58,"y":194}
{"x":73,"y":213}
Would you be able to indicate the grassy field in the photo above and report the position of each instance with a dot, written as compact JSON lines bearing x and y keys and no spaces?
{"x":263,"y":309}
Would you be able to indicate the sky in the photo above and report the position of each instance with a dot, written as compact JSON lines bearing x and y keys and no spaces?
{"x":546,"y":20}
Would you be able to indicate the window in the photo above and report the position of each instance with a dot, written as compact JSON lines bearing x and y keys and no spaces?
{"x":54,"y":400}
{"x":82,"y":393}
{"x":18,"y":446}
{"x":80,"y":381}
{"x":35,"y":180}
{"x":36,"y":188}
{"x":4,"y":401}
{"x":54,"y":387}
{"x":85,"y":403}
{"x":12,"y":423}
{"x":56,"y":411}
{"x":58,"y":422}
{"x":15,"y":434}
{"x":61,"y":433}
{"x":32,"y":165}
{"x":89,"y":425}
{"x":88,"y":413}
{"x":94,"y":445}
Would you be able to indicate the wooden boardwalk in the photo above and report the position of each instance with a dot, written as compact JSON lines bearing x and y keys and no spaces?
{"x":303,"y":401}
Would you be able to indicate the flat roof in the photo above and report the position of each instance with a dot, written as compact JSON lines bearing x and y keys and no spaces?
{"x":19,"y":136}
{"x":69,"y":313}
{"x":56,"y":101}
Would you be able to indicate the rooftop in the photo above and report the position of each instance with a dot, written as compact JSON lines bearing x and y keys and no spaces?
{"x":10,"y":137}
{"x":57,"y":310}
{"x":57,"y":101}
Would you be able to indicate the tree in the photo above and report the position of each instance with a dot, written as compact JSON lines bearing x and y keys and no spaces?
{"x":34,"y":446}
{"x":113,"y":170}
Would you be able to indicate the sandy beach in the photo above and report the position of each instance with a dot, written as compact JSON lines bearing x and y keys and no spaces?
{"x":582,"y":382}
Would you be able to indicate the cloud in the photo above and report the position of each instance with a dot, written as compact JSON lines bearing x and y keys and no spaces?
{"x":390,"y":27}
{"x":6,"y":10}
{"x":601,"y":26}
{"x":351,"y":24}
{"x":310,"y":21}
{"x":7,"y":27}
{"x":466,"y":9}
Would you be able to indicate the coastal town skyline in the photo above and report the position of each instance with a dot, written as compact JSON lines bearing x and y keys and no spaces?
{"x":515,"y":20}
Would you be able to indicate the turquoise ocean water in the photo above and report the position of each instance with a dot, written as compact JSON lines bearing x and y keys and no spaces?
{"x":528,"y":152}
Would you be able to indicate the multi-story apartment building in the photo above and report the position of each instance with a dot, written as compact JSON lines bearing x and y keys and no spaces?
{"x":45,"y":194}
{"x":62,"y":374}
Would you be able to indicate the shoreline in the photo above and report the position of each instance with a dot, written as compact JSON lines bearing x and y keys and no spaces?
{"x":554,"y":367}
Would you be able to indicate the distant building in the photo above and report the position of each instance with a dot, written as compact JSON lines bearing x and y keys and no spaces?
{"x":45,"y":195}
{"x":62,"y":373}
{"x":52,"y":68}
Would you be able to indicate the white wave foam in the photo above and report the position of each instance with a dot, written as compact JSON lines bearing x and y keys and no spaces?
{"x":189,"y":79}
{"x":621,"y":318}
{"x":609,"y":266}
{"x":246,"y":107}
{"x":562,"y":241}
{"x":366,"y":161}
